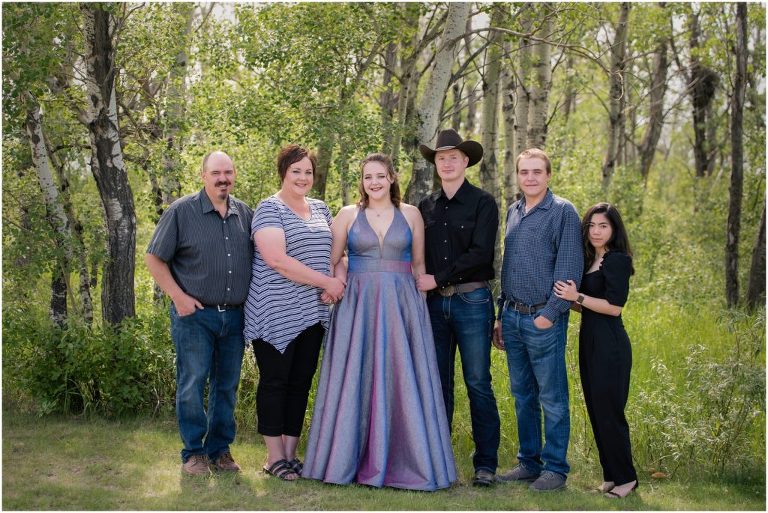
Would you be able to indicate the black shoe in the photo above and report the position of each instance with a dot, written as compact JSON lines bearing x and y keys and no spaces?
{"x":297,"y":465}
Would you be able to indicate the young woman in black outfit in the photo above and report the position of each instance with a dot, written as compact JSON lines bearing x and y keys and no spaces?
{"x":605,"y":354}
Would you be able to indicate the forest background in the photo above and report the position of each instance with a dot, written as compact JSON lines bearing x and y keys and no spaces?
{"x":656,"y":107}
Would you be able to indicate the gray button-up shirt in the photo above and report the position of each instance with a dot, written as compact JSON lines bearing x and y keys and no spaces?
{"x":209,"y":256}
{"x":541,"y":247}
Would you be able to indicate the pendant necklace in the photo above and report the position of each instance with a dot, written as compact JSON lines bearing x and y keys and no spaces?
{"x":377,"y":212}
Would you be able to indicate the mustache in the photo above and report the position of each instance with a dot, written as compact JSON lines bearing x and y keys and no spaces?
{"x":222,"y":182}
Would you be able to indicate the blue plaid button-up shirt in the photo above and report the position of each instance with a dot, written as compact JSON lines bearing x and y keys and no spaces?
{"x":541,"y":247}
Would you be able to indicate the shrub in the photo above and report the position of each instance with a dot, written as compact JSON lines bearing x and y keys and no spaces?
{"x":79,"y":369}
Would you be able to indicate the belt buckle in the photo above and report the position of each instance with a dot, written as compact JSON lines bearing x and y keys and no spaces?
{"x":221,"y":308}
{"x":519,"y":307}
{"x":447,"y":291}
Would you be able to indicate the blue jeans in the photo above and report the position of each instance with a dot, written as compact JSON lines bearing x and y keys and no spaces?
{"x":465,"y":320}
{"x":538,"y":379}
{"x":209,"y":347}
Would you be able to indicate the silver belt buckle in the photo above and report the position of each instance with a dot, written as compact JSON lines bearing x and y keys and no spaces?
{"x":221,"y":308}
{"x":447,"y":291}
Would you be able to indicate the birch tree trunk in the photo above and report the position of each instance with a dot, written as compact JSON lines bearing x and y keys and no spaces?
{"x":344,"y":174}
{"x":456,"y":112}
{"x":621,"y":130}
{"x":469,"y":128}
{"x":108,"y":167}
{"x":60,"y":267}
{"x":409,"y":83}
{"x":756,"y":285}
{"x":175,"y":112}
{"x":489,"y":173}
{"x":470,"y":85}
{"x":489,"y":169}
{"x":387,"y":99}
{"x":84,"y":290}
{"x":617,"y":98}
{"x":508,"y":112}
{"x":542,"y":72}
{"x":570,"y":90}
{"x":521,"y":89}
{"x":737,"y":159}
{"x":656,"y":111}
{"x":324,"y":157}
{"x":430,"y":106}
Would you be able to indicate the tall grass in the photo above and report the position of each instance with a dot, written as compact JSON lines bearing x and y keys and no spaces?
{"x":696,"y":405}
{"x":697,"y":396}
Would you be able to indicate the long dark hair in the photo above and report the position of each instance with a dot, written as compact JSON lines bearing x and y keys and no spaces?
{"x":619,"y":240}
{"x":394,"y":188}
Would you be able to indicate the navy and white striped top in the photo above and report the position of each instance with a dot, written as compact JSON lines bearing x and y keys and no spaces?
{"x":277,"y":309}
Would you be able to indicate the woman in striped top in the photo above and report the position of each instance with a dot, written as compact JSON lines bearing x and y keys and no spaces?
{"x":284,"y":316}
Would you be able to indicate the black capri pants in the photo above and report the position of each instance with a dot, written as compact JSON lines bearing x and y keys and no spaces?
{"x":284,"y":382}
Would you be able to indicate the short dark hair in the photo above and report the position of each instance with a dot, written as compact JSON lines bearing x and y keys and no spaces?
{"x":290,"y":155}
{"x":533,"y":153}
{"x":619,"y":240}
{"x":394,"y":188}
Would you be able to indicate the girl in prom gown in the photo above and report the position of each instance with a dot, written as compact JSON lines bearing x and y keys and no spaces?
{"x":379,"y":417}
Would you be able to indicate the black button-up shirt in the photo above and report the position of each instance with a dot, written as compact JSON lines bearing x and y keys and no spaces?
{"x":209,"y":256}
{"x":460,"y":235}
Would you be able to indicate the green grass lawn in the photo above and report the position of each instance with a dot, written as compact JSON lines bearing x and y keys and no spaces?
{"x":71,"y":463}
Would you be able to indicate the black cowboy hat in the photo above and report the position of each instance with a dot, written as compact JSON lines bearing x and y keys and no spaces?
{"x":451,"y":140}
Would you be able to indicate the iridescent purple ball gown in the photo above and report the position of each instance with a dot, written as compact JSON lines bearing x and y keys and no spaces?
{"x":379,"y":417}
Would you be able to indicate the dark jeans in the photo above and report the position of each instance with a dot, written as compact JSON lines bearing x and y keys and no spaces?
{"x":209,"y":348}
{"x":539,"y":381}
{"x":285,"y":380}
{"x":465,"y":321}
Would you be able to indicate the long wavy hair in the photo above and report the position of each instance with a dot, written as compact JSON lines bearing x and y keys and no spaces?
{"x":394,"y":188}
{"x":619,"y":240}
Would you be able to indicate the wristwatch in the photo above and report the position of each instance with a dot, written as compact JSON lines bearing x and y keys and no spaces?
{"x":580,"y":299}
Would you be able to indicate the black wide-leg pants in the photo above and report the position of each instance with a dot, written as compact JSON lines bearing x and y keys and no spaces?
{"x":605,"y":363}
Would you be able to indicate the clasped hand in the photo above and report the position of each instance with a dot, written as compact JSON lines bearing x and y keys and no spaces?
{"x":426,"y":282}
{"x":566,"y":290}
{"x":333,"y":291}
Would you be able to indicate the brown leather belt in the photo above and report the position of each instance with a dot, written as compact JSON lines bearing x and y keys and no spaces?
{"x":523,"y":308}
{"x":461,"y":288}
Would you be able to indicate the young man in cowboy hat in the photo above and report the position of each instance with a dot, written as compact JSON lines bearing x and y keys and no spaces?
{"x":461,"y":222}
